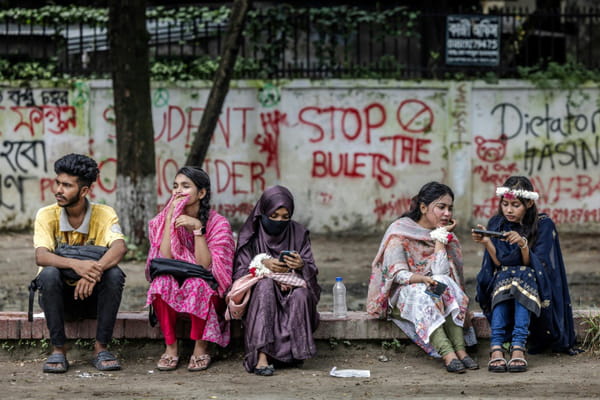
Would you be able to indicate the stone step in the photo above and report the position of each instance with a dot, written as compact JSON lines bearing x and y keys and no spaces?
{"x":357,"y":325}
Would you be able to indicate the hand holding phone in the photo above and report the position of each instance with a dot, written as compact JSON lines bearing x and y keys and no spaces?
{"x":436,"y":290}
{"x":285,"y":253}
{"x":485,"y":232}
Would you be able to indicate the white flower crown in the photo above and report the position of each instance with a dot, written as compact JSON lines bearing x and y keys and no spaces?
{"x":523,"y":194}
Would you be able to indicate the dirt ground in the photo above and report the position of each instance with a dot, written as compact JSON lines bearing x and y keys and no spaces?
{"x":407,"y":373}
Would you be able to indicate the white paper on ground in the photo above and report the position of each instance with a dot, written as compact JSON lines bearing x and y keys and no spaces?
{"x":350,"y":373}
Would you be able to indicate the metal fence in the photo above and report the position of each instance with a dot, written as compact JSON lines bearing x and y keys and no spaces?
{"x":295,"y":45}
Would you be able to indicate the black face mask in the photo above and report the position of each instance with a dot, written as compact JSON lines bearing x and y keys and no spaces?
{"x":273,"y":228}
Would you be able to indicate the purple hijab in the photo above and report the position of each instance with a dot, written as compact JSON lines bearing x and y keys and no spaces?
{"x":253,"y":239}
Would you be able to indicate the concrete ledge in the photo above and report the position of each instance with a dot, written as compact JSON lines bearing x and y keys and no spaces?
{"x":358,"y":325}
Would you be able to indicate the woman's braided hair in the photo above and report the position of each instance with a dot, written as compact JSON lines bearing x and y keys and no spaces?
{"x":200,"y":178}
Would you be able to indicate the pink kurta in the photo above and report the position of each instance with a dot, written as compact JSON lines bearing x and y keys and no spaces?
{"x":194,"y":296}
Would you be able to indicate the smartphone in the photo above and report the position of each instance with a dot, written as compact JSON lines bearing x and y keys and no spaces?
{"x":285,"y":253}
{"x":489,"y":233}
{"x":437,"y":290}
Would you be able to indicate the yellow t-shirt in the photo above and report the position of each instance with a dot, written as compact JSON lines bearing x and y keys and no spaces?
{"x":100,"y":227}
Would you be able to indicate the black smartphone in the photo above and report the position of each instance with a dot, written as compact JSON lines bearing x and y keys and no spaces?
{"x":489,"y":233}
{"x":437,"y":290}
{"x":285,"y":253}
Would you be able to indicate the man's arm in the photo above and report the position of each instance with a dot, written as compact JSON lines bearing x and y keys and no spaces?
{"x":89,"y":269}
{"x":114,"y":255}
{"x":111,"y":258}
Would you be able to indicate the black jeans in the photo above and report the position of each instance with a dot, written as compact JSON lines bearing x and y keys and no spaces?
{"x":56,"y":299}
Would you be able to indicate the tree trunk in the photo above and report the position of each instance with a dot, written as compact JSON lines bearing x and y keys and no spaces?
{"x":136,"y":175}
{"x":220,"y":85}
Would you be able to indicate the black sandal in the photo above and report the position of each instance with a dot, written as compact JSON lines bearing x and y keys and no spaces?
{"x":103,"y":357}
{"x":456,"y":366}
{"x":469,"y":363}
{"x":497,"y":368}
{"x":62,"y":365}
{"x":265,"y":371}
{"x":518,"y":367}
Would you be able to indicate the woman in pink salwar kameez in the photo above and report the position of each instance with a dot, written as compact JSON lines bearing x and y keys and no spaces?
{"x":188,"y":230}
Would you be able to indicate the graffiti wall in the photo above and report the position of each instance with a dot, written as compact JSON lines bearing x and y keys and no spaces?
{"x":352,"y":152}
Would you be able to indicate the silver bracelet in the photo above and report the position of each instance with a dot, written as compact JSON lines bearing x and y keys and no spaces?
{"x":525,"y":245}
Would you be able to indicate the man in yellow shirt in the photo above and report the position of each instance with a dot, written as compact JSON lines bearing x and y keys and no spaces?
{"x":72,"y":288}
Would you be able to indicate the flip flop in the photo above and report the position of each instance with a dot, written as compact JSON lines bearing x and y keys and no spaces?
{"x":56,"y":358}
{"x":199,"y":363}
{"x":167,"y":363}
{"x":104,"y":356}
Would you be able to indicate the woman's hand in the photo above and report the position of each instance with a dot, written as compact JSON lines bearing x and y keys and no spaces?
{"x":293,"y":261}
{"x":189,"y":223}
{"x":275,"y":265}
{"x":418,"y":278}
{"x":513,"y":237}
{"x":478,"y":237}
{"x":450,"y":227}
{"x":177,"y":198}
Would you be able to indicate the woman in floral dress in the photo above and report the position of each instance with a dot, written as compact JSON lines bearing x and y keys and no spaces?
{"x":418,"y":252}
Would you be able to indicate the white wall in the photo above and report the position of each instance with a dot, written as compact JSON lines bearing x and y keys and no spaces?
{"x":352,"y":152}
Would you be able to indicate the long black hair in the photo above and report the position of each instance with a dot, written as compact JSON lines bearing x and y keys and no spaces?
{"x":429,"y":192}
{"x":530,"y":219}
{"x":202,"y":181}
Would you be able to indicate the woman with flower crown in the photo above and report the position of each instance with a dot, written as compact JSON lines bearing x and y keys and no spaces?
{"x":522,"y":285}
{"x":281,"y":315}
{"x":419,"y":252}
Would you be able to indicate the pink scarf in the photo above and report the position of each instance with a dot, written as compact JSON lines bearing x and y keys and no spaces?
{"x":219,"y":239}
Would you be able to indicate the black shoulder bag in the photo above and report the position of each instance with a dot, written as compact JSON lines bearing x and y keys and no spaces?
{"x":77,"y":252}
{"x":181,"y":270}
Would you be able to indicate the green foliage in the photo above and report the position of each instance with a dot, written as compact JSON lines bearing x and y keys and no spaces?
{"x":62,"y":15}
{"x":270,"y":32}
{"x":591,"y":342}
{"x":135,"y":252}
{"x":11,"y":346}
{"x":569,"y":76}
{"x":34,"y":70}
{"x":85,"y":344}
{"x":394,"y":344}
{"x":333,"y":343}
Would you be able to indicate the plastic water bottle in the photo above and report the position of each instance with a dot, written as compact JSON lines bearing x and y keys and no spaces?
{"x":339,"y":299}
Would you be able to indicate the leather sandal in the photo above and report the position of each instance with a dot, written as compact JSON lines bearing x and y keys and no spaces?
{"x":456,"y":366}
{"x":499,"y":367}
{"x":517,"y":364}
{"x":167,"y":363}
{"x":469,"y":363}
{"x":199,"y":363}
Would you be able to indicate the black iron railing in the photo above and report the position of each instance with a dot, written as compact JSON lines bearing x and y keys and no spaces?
{"x":296,"y":44}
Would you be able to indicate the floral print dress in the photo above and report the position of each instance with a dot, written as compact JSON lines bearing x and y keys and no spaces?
{"x":406,"y":249}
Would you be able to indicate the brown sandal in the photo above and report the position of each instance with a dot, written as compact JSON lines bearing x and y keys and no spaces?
{"x":199,"y":363}
{"x":167,"y":363}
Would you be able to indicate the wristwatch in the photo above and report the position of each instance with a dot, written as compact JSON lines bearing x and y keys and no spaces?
{"x":199,"y":232}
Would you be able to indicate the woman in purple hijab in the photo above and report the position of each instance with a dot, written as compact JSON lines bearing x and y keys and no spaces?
{"x":280,"y":319}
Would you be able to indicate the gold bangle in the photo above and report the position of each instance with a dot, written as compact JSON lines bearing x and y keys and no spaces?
{"x":525,"y":245}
